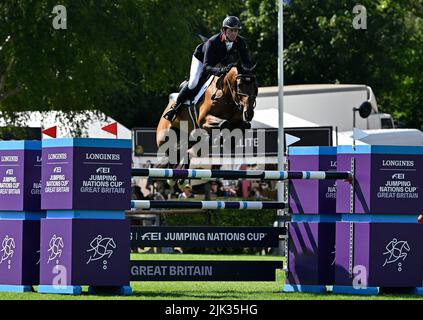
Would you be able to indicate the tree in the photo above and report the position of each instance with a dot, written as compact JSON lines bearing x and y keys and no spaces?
{"x":110,"y":48}
{"x":322,"y":46}
{"x":124,"y":57}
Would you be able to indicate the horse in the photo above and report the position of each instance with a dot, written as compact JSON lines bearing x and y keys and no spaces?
{"x":228,"y":102}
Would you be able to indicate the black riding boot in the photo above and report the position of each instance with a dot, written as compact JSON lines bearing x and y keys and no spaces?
{"x":183,"y":95}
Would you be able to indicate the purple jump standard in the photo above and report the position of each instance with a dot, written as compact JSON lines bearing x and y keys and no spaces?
{"x":311,"y":236}
{"x":20,"y":214}
{"x":86,"y":188}
{"x":387,"y":179}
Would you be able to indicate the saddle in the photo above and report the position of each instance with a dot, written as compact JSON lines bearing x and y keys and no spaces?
{"x":198,"y":91}
{"x":193,"y":103}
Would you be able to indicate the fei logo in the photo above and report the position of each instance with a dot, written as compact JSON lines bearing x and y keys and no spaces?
{"x":398,"y":176}
{"x":100,"y":248}
{"x":151,"y":236}
{"x":103,"y":170}
{"x":55,"y":245}
{"x":396,"y":250}
{"x":7,"y":248}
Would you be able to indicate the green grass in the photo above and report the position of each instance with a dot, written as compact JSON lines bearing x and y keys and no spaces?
{"x":205,"y":290}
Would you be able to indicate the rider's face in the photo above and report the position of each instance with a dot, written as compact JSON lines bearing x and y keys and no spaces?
{"x":231,"y":34}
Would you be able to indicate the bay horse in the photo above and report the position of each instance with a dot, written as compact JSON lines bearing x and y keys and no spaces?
{"x":228,"y":102}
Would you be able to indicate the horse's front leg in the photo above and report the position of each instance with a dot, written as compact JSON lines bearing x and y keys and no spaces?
{"x":213,"y":122}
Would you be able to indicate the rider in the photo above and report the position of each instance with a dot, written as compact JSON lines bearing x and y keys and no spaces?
{"x":212,"y":58}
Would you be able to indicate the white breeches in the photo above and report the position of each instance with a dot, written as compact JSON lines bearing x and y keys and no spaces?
{"x":195,"y":72}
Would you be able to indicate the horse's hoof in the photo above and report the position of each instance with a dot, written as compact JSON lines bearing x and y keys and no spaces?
{"x":224,"y":125}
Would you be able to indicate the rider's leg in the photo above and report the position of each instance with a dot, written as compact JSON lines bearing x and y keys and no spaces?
{"x":187,"y":89}
{"x":183,"y":95}
{"x":195,"y":72}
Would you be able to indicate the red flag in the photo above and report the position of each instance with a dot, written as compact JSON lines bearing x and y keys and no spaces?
{"x":111,"y":128}
{"x":51,"y":132}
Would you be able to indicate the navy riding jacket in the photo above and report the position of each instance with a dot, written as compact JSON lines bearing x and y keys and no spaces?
{"x":213,"y":54}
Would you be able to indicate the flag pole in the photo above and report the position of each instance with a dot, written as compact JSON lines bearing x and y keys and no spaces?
{"x":281,"y":144}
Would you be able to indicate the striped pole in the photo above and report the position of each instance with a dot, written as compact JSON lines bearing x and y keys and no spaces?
{"x":212,"y":205}
{"x":240,"y":174}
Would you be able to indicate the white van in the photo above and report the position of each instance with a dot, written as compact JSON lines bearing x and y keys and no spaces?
{"x":320,"y":105}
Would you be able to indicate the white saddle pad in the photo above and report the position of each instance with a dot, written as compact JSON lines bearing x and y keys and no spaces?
{"x":200,"y":93}
{"x":202,"y":90}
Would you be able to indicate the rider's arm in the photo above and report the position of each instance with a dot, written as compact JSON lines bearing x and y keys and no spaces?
{"x":210,"y":59}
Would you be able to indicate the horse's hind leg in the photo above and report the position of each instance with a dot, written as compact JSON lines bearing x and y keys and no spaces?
{"x":170,"y":156}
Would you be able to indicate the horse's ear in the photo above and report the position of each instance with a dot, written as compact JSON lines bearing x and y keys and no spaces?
{"x":241,"y":68}
{"x":248,"y":70}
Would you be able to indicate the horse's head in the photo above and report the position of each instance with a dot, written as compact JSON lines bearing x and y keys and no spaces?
{"x":243,"y":87}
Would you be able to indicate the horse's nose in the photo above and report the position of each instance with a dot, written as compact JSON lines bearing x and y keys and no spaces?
{"x":248,"y":115}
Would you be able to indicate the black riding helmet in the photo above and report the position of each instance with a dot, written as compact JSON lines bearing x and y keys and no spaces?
{"x":231,"y":22}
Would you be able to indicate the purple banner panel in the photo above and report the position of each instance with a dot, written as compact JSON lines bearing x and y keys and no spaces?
{"x":57,"y":178}
{"x":85,"y":252}
{"x":379,"y":254}
{"x":20,"y":175}
{"x":386,"y":180}
{"x":205,"y":270}
{"x":20,"y":252}
{"x":312,"y":196}
{"x":311,"y":253}
{"x":83,"y":174}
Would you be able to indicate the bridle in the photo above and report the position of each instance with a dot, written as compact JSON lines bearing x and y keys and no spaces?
{"x":235,"y":93}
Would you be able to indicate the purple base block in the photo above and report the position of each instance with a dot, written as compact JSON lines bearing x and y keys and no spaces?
{"x":312,"y":196}
{"x":85,"y":252}
{"x":379,"y":254}
{"x":311,"y":253}
{"x":19,"y":255}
